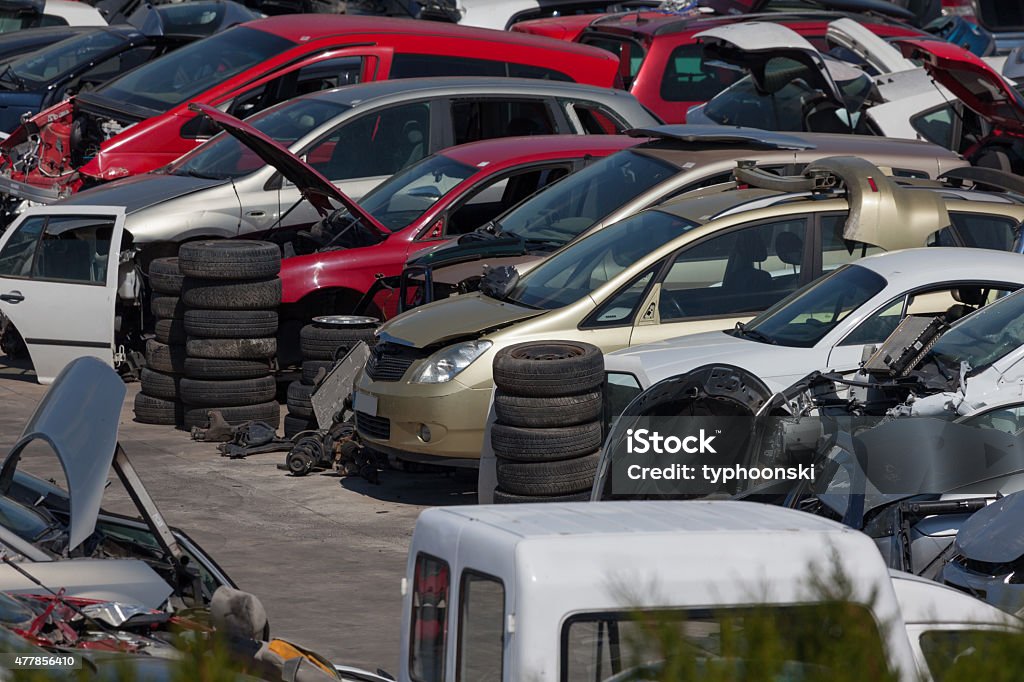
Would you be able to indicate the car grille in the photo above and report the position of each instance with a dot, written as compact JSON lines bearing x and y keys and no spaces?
{"x":390,"y":361}
{"x":374,"y":427}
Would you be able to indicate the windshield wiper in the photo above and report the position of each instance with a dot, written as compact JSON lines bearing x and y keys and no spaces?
{"x":9,"y":76}
{"x":753,"y":334}
{"x":203,"y":176}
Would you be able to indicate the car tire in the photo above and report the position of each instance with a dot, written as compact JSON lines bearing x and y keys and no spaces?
{"x":152,"y":410}
{"x":503,"y":497}
{"x":295,"y":425}
{"x":563,"y":477}
{"x":311,"y":370}
{"x":519,"y":444}
{"x":300,"y":400}
{"x":548,"y":369}
{"x":164,"y":276}
{"x":225,"y":259}
{"x":164,"y":358}
{"x":213,"y":368}
{"x":232,"y":349}
{"x":544,"y":413}
{"x":170,"y":331}
{"x":209,"y":294}
{"x":166,"y":307}
{"x":160,"y":385}
{"x":228,"y":392}
{"x":269,"y":412}
{"x":230,"y":324}
{"x":331,"y":343}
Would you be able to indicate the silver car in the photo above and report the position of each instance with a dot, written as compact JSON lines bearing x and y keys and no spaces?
{"x":356,"y":136}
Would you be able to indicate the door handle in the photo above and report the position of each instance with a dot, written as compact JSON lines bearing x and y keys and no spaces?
{"x":255,"y":214}
{"x":13,"y":297}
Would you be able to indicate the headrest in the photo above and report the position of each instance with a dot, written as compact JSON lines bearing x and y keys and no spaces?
{"x":789,"y":248}
{"x":236,"y":613}
{"x":969,"y":295}
{"x":750,"y":247}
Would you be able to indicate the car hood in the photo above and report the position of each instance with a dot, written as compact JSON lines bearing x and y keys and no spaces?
{"x":142,"y":191}
{"x":317,"y":189}
{"x":968,"y":77}
{"x":461,"y":317}
{"x":78,"y":418}
{"x":992,"y":535}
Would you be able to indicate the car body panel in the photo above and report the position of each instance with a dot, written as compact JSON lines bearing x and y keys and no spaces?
{"x":63,"y":320}
{"x":878,"y":53}
{"x":122,"y":580}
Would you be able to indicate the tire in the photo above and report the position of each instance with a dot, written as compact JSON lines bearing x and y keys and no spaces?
{"x":548,"y":369}
{"x":150,"y":410}
{"x":311,"y":370}
{"x":229,"y":259}
{"x":323,"y":342}
{"x":548,"y":478}
{"x":211,"y":368}
{"x":164,"y":276}
{"x":164,"y":358}
{"x":170,"y":332}
{"x":545,"y":413}
{"x":232,"y":349}
{"x":230,"y":324}
{"x":294,"y":425}
{"x":300,"y":400}
{"x":502,"y":497}
{"x":207,"y":294}
{"x":269,"y":412}
{"x":518,"y":444}
{"x":166,"y":307}
{"x":160,"y":385}
{"x":228,"y":392}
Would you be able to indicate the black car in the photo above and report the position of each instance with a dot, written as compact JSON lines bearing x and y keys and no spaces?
{"x":43,"y":78}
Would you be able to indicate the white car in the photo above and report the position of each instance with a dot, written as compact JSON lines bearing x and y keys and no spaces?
{"x":502,"y":14}
{"x":827,"y":324}
{"x":23,"y":14}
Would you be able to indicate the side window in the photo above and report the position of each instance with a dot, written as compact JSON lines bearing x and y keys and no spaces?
{"x":114,"y":66}
{"x":499,"y":195}
{"x":427,"y":65}
{"x":835,"y":249}
{"x":936,"y":126}
{"x":1009,"y":419}
{"x":487,"y":119}
{"x":16,"y":256}
{"x":430,"y":593}
{"x":481,"y":645}
{"x":961,"y":654}
{"x":330,"y":73}
{"x":596,"y":120}
{"x":621,"y":308}
{"x":543,"y":73}
{"x":742,"y":271}
{"x":688,"y":79}
{"x":74,"y":249}
{"x":378,"y":143}
{"x":984,"y":231}
{"x":630,"y":53}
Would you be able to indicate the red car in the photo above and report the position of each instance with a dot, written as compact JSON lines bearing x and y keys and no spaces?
{"x":661,"y":63}
{"x":441,"y":197}
{"x":140,"y":121}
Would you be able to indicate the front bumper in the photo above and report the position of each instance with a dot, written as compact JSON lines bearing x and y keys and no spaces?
{"x":453,"y":412}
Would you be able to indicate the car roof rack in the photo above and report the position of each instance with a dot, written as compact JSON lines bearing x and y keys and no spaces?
{"x":723,"y":135}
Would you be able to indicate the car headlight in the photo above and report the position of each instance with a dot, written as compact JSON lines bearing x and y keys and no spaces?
{"x":446,"y":364}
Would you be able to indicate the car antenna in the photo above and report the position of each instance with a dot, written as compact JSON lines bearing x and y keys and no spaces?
{"x":58,"y":595}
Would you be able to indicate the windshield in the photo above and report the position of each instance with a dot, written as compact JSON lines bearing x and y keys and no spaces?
{"x":409,"y":194}
{"x":226,"y":157}
{"x":581,"y":268}
{"x":51,"y":63}
{"x":984,"y":337}
{"x":804,"y":318}
{"x":178,"y":77}
{"x":572,"y":206}
{"x":193,"y":18}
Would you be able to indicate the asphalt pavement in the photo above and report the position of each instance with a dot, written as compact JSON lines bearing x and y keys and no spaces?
{"x":325,"y":554}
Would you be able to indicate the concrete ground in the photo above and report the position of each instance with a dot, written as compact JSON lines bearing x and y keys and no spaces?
{"x":324,"y":554}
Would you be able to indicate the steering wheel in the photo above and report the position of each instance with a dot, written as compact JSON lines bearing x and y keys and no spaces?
{"x":675,"y":308}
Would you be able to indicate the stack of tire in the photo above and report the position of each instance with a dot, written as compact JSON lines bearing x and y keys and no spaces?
{"x":548,"y":433}
{"x":230,"y":293}
{"x":322,"y":343}
{"x":159,"y":401}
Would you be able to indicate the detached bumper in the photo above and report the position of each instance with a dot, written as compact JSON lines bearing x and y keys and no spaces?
{"x":23,"y":190}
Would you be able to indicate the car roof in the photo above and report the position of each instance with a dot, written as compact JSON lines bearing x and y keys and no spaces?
{"x":515,"y":149}
{"x":932,"y":264}
{"x":362,"y":93}
{"x":301,"y":28}
{"x":651,"y":23}
{"x":704,"y":209}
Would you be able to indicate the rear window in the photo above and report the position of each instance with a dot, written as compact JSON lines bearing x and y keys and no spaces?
{"x":481,"y":627}
{"x":688,"y":79}
{"x":431,"y":591}
{"x":428,"y":65}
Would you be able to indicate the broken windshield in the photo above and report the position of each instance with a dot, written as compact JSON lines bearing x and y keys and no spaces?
{"x":982,"y":338}
{"x":52,"y":63}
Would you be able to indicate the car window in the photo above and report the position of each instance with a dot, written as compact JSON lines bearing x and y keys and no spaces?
{"x":983,"y":338}
{"x":688,"y":79}
{"x":743,"y":270}
{"x":407,"y":195}
{"x":110,"y":68}
{"x":596,"y":120}
{"x":60,"y":248}
{"x":836,"y":250}
{"x":323,"y":75}
{"x":17,"y":254}
{"x":985,"y":231}
{"x":431,"y":592}
{"x":481,"y":644}
{"x":1009,"y":419}
{"x":406,"y":65}
{"x":621,"y":308}
{"x":374,"y":144}
{"x":960,"y":654}
{"x":50,"y":63}
{"x":500,"y":194}
{"x":485,"y":119}
{"x":936,"y":126}
{"x":630,"y":53}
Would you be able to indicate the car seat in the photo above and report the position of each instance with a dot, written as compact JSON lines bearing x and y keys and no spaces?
{"x":741,"y":273}
{"x":968,"y":299}
{"x":69,"y":259}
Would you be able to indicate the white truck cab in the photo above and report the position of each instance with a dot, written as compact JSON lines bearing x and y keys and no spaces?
{"x":551,"y":592}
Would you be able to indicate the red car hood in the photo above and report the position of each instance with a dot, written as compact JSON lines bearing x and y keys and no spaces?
{"x":970,"y":79}
{"x":317,"y":189}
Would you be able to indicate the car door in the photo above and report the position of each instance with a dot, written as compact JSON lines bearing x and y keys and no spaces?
{"x":58,"y":283}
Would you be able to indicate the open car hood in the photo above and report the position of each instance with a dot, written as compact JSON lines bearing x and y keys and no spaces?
{"x":753,"y":45}
{"x":968,"y":77}
{"x":317,"y":189}
{"x":78,"y":418}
